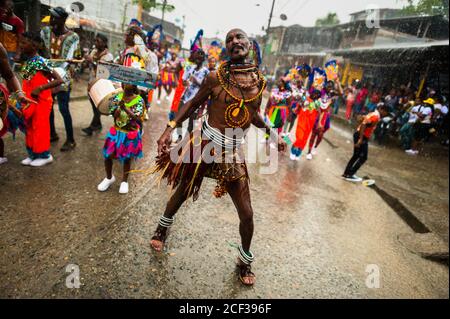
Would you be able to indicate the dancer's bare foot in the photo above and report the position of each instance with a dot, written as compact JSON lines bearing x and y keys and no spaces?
{"x":246,"y":276}
{"x":158,"y":240}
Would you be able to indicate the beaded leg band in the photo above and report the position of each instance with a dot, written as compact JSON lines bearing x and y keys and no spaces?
{"x":166,"y":222}
{"x":161,"y":234}
{"x":246,"y":258}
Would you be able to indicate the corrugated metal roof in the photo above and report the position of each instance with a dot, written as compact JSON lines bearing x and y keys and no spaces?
{"x":399,"y":46}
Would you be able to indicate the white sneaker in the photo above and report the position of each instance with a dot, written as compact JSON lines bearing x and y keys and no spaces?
{"x":354,"y":179}
{"x":412,"y":152}
{"x":106,"y":184}
{"x":158,"y":102}
{"x":3,"y":160}
{"x":167,"y":98}
{"x":314,"y":152}
{"x":309,"y":157}
{"x":27,"y":161}
{"x":123,"y":188}
{"x":41,"y":161}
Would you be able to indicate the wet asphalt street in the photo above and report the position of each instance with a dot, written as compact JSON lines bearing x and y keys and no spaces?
{"x":315,"y":234}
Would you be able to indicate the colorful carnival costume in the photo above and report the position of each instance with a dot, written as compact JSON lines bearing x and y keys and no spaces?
{"x":124,"y":139}
{"x":309,"y":110}
{"x":139,"y":57}
{"x":307,"y":117}
{"x":168,"y":77}
{"x":278,"y":108}
{"x":321,"y":126}
{"x":178,"y":95}
{"x":37,"y":116}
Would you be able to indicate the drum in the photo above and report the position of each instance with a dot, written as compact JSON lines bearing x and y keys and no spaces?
{"x":101,"y":93}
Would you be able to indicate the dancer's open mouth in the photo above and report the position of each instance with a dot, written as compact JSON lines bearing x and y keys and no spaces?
{"x":236,"y":48}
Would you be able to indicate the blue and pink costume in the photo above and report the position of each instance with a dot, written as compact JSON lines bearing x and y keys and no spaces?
{"x":124,"y":139}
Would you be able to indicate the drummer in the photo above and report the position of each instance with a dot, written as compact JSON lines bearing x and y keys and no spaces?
{"x":99,"y":54}
{"x":61,"y":43}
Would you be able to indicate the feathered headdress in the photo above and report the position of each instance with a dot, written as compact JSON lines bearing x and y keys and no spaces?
{"x":215,"y":49}
{"x":318,"y":78}
{"x":255,"y":53}
{"x":136,"y":22}
{"x":304,"y":70}
{"x":136,"y":26}
{"x":197,"y":43}
{"x":155,"y":35}
{"x":332,"y":70}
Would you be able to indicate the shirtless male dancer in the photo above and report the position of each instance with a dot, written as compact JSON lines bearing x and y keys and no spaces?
{"x":235,"y":90}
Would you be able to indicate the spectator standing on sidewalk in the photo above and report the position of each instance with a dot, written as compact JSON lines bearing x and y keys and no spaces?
{"x":422,"y":126}
{"x":360,"y":99}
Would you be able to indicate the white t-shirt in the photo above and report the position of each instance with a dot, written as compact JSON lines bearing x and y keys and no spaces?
{"x":200,"y":75}
{"x":426,"y":111}
{"x":442,"y":108}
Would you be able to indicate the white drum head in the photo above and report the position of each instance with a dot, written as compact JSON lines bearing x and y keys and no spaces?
{"x":103,"y":106}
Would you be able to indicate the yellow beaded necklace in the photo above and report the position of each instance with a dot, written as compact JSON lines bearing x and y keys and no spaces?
{"x":233,"y":110}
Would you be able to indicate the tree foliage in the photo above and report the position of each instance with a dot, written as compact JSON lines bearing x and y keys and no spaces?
{"x":426,"y":7}
{"x":329,"y":19}
{"x":149,"y":5}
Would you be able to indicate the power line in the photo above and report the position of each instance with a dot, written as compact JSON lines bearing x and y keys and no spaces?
{"x":285,"y":5}
{"x":300,"y":7}
{"x":184,"y":2}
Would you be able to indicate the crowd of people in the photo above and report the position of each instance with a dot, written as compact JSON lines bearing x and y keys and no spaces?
{"x":414,"y":117}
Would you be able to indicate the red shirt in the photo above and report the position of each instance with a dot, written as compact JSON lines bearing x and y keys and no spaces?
{"x":362,"y":95}
{"x":376,"y":98}
{"x":10,"y":28}
{"x":370,"y":121}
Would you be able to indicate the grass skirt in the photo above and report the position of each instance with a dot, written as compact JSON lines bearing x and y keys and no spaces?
{"x":189,"y":163}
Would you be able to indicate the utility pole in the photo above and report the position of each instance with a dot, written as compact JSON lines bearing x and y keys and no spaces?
{"x":34,"y":14}
{"x":163,"y":11}
{"x":139,"y":11}
{"x":271,"y":15}
{"x":268,"y":28}
{"x":124,"y":17}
